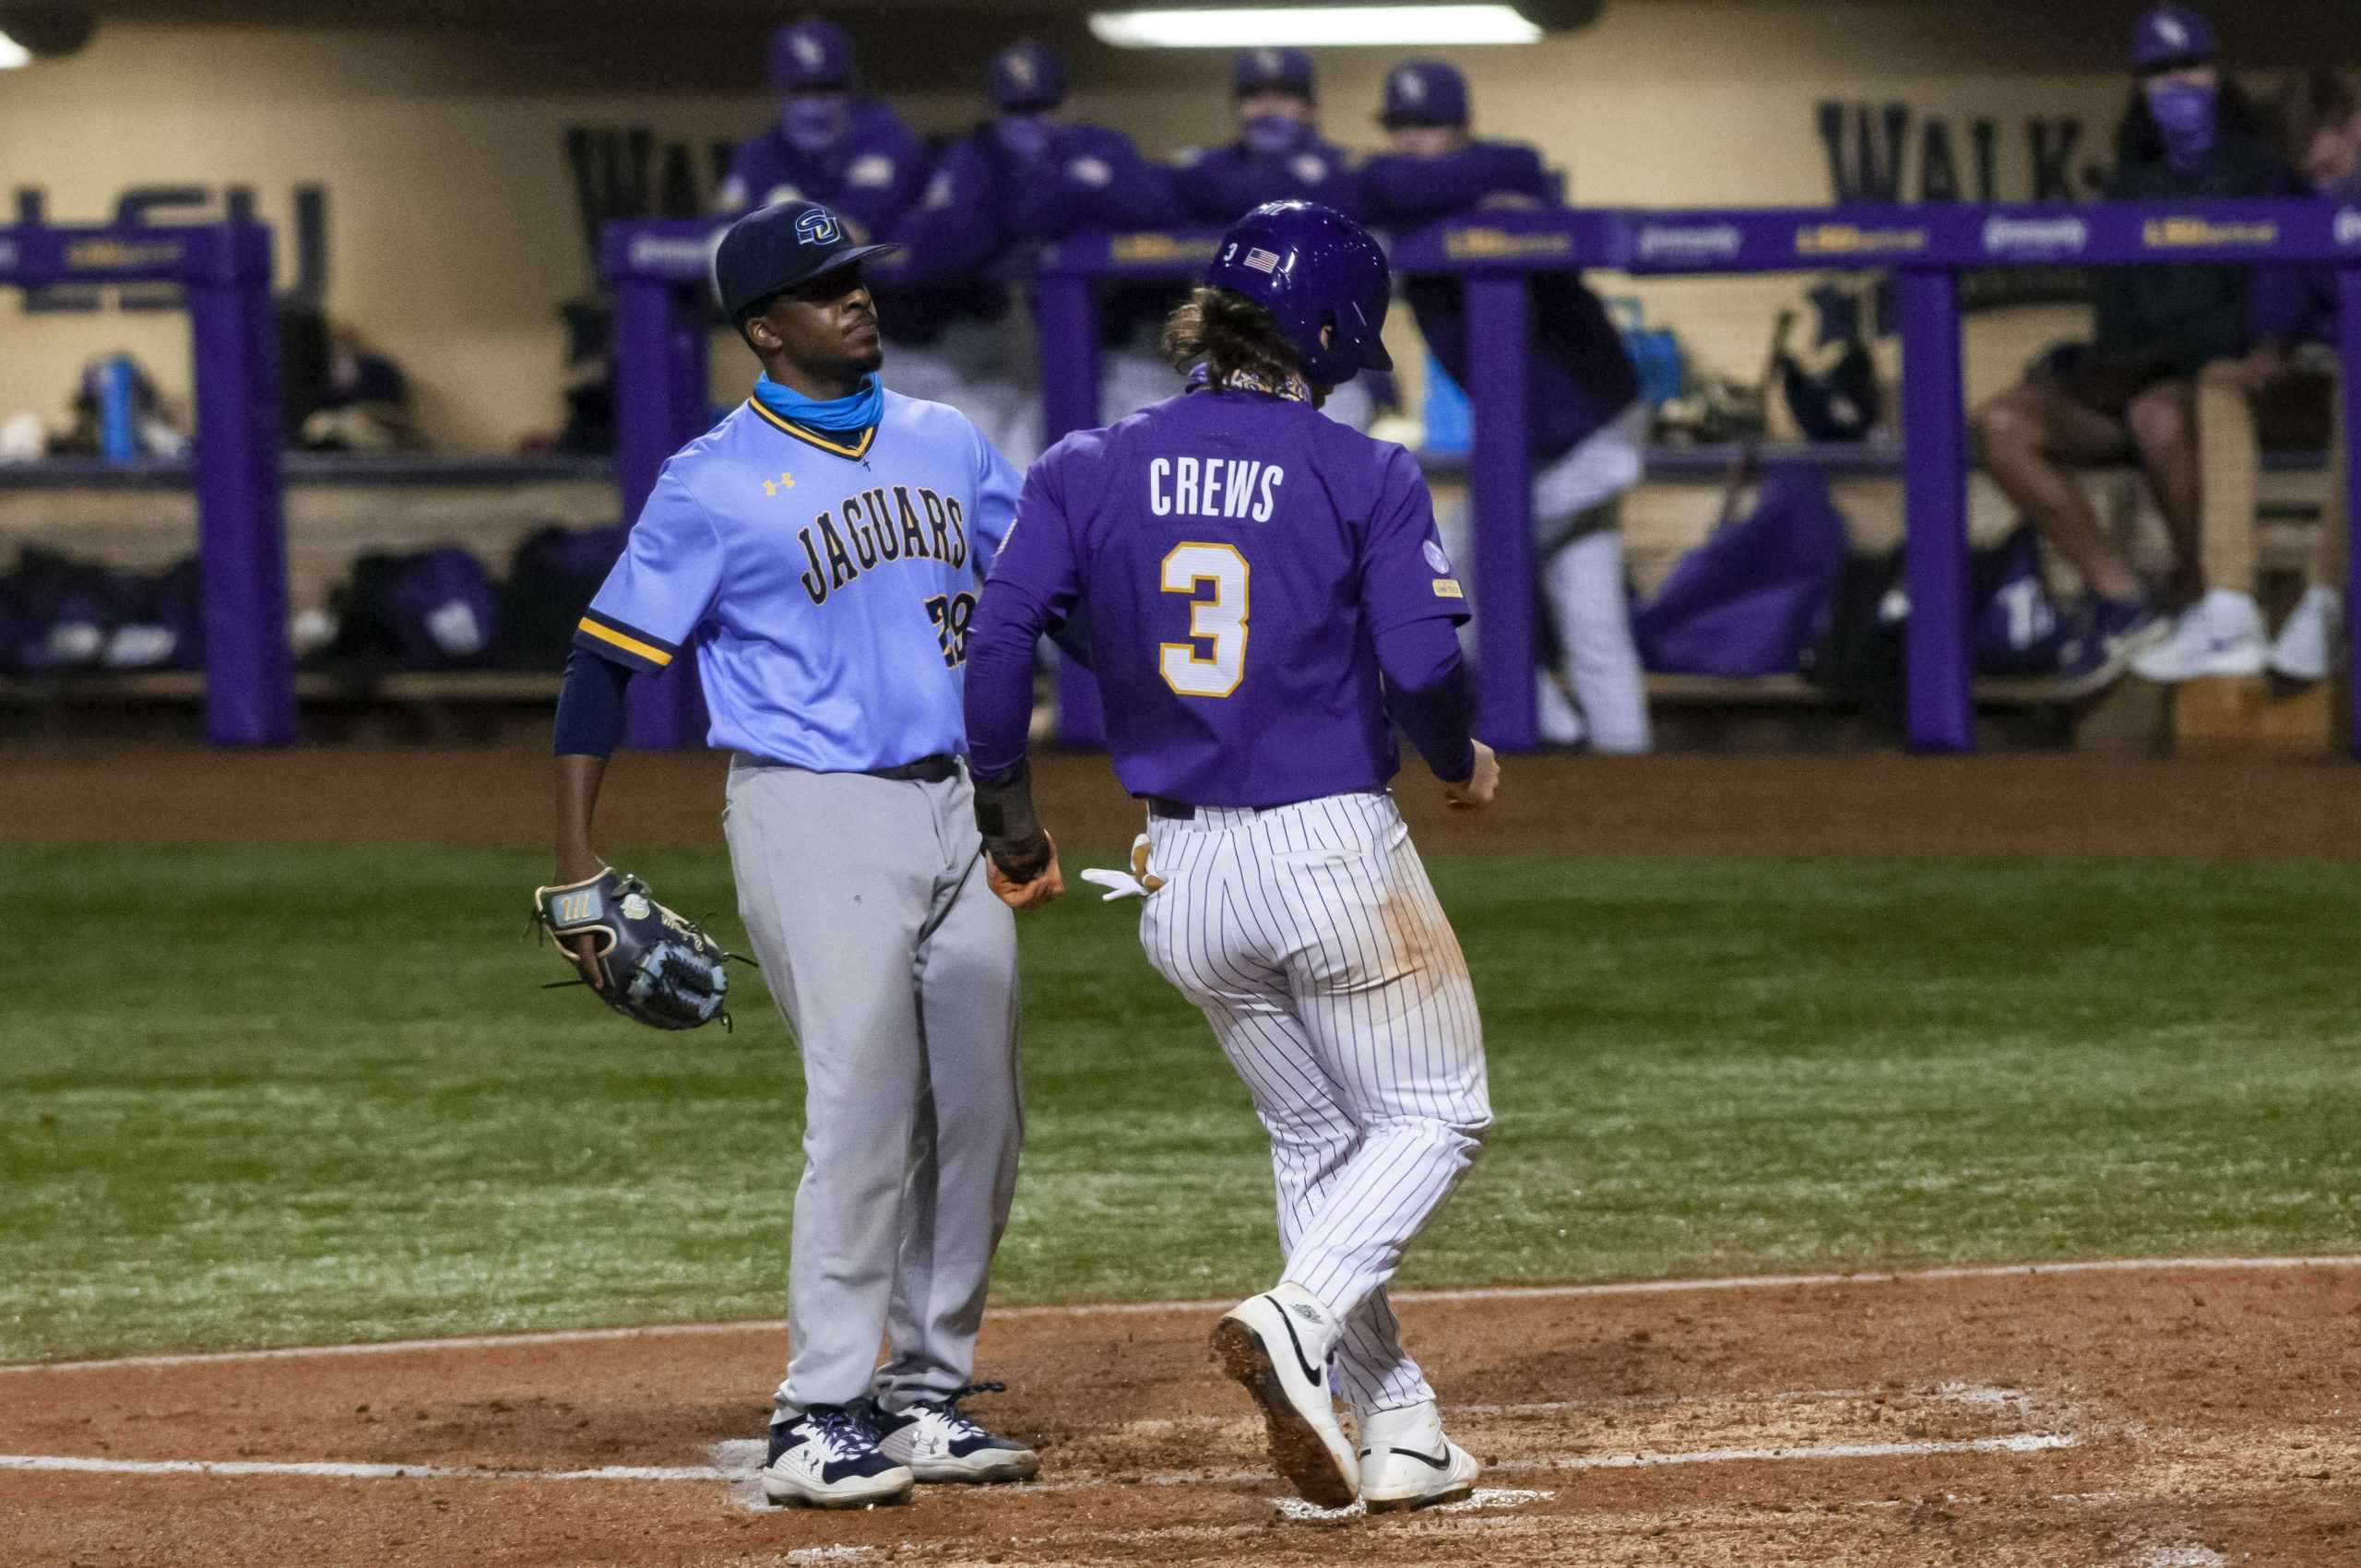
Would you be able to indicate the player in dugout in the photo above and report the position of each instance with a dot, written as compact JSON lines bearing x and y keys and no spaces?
{"x":831,"y":142}
{"x":2282,"y":394}
{"x":1031,"y":176}
{"x":1588,"y":424}
{"x":2188,"y":132}
{"x":1278,"y":155}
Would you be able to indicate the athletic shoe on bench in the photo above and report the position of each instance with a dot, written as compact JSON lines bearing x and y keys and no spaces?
{"x":2220,"y":635}
{"x":2312,"y":642}
{"x":1278,"y":1344}
{"x":939,"y":1441}
{"x":828,"y":1457}
{"x":1407,"y":1463}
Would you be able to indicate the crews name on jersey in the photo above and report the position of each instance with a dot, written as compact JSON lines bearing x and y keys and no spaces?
{"x":882,"y":527}
{"x":1214,"y":487}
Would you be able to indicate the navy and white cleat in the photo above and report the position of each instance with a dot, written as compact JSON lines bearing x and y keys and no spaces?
{"x":1278,"y":1344}
{"x":938,"y":1442}
{"x":828,"y":1457}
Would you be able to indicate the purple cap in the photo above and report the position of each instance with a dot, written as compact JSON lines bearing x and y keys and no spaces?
{"x":1028,"y":75}
{"x":2171,"y":35}
{"x":810,"y":55}
{"x":1425,"y":93}
{"x":1311,"y":268}
{"x":1271,"y":70}
{"x":779,"y":247}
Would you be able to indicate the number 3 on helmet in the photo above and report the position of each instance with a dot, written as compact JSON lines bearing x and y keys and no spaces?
{"x":1312,"y":267}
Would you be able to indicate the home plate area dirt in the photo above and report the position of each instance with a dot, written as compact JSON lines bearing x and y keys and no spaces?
{"x":2175,"y":1415}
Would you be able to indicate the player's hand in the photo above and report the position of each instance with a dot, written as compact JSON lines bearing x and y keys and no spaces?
{"x":579,"y":865}
{"x":1477,"y":790}
{"x":1042,"y":887}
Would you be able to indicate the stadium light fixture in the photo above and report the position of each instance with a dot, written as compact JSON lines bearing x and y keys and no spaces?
{"x":13,"y":55}
{"x":1311,"y":25}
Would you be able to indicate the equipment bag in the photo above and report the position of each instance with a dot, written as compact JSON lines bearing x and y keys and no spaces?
{"x":1747,"y":600}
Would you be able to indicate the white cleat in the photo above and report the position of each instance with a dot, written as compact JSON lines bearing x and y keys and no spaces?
{"x":1407,"y":1463}
{"x":938,"y":1442}
{"x":2220,"y":635}
{"x":828,"y":1457}
{"x":1278,"y":1344}
{"x":2312,"y":642}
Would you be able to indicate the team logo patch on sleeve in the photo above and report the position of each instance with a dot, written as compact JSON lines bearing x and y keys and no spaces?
{"x":1435,"y":558}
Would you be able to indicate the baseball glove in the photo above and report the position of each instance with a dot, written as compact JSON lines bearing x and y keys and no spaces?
{"x":653,"y":965}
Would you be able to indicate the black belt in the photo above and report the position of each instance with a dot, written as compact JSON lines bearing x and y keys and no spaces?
{"x":1181,"y":810}
{"x":934,"y":769}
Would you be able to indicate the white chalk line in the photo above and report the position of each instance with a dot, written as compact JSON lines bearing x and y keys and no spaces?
{"x":1130,"y":1309}
{"x":2023,"y":1442}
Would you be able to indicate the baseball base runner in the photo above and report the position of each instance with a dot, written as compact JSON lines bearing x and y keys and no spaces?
{"x":1264,"y":590}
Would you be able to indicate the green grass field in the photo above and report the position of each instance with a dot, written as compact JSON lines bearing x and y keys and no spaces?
{"x":269,"y":1096}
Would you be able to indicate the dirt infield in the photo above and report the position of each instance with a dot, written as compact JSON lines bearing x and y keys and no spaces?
{"x":2155,"y":1418}
{"x":1877,"y":804}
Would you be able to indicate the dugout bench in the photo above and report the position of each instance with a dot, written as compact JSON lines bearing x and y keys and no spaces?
{"x":658,"y":267}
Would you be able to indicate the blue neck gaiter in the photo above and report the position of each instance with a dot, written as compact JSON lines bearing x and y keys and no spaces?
{"x":2185,"y":116}
{"x":837,"y":416}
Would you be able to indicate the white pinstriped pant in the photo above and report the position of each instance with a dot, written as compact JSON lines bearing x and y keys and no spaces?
{"x":1313,"y":941}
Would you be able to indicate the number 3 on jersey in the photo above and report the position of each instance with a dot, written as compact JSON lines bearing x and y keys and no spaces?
{"x":1219,"y":618}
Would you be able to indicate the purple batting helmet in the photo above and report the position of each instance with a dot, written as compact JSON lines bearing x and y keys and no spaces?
{"x":2171,"y":35}
{"x":1425,"y":93}
{"x":1311,"y":266}
{"x":1027,"y":76}
{"x":810,"y":55}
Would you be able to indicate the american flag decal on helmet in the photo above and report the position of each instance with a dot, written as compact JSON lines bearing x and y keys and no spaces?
{"x":1261,"y":260}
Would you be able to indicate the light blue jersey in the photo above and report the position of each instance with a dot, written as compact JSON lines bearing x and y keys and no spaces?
{"x":826,"y":587}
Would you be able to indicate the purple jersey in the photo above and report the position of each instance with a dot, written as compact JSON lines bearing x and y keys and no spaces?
{"x":870,"y":176}
{"x":1216,"y":183}
{"x":1582,"y":376}
{"x":1236,"y":556}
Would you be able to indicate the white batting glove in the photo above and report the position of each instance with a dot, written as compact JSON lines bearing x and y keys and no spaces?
{"x":1136,"y":883}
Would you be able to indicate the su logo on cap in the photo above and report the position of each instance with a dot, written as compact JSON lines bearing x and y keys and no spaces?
{"x":1410,"y":85}
{"x":817,"y":227}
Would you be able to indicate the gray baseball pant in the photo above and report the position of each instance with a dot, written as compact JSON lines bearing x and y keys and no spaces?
{"x":897,"y":969}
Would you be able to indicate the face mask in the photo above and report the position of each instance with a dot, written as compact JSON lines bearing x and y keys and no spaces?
{"x":1274,"y":136}
{"x":1024,"y":136}
{"x":814,"y":125}
{"x":2184,"y":116}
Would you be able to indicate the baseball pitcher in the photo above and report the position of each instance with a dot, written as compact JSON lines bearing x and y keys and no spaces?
{"x":820,"y":549}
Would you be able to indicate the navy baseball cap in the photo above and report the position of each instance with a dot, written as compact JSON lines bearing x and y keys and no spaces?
{"x":2169,"y":36}
{"x":810,"y":55}
{"x":1028,"y":75}
{"x":1271,"y":70}
{"x":779,"y":247}
{"x":1425,"y":93}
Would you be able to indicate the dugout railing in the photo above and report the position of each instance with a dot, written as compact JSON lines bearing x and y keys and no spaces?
{"x":223,"y":271}
{"x":657,"y":269}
